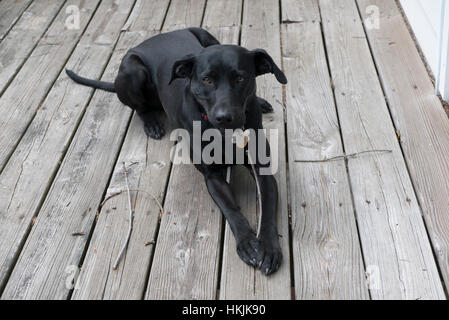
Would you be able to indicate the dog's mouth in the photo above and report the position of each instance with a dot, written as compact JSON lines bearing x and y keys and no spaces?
{"x":223,"y":130}
{"x":239,"y":124}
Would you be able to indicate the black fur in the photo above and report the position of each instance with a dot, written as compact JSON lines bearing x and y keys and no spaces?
{"x":189,"y":74}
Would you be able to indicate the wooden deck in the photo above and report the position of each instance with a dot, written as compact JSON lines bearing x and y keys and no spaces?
{"x":370,"y":226}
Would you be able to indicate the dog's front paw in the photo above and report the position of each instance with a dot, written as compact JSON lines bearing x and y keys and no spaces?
{"x":265,"y":106}
{"x":154,"y":129}
{"x":272,"y":256}
{"x":249,"y":250}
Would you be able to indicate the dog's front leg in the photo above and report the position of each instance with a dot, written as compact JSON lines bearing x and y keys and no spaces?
{"x":268,"y":237}
{"x":248,"y":246}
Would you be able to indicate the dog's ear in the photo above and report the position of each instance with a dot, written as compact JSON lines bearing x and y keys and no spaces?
{"x":183,"y":68}
{"x":265,"y":64}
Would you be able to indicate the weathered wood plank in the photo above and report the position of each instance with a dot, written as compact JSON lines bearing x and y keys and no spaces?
{"x":183,"y":14}
{"x":222,"y":19}
{"x":146,"y":16}
{"x":27,"y":176}
{"x":395,"y":245}
{"x":23,"y":96}
{"x":10,"y":12}
{"x":225,"y":13}
{"x":185,"y":263}
{"x":52,"y":250}
{"x":260,"y":29}
{"x":300,"y":11}
{"x":419,"y":117}
{"x":327,"y":256}
{"x":148,"y":166}
{"x":22,"y":38}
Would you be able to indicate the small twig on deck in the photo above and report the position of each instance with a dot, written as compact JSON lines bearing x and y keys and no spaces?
{"x":259,"y":193}
{"x":345,"y":157}
{"x":241,"y":139}
{"x":128,"y":190}
{"x":125,"y":244}
{"x":132,"y":190}
{"x":111,"y":196}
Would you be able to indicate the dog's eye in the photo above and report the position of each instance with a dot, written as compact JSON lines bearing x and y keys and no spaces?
{"x":240,"y":79}
{"x":207,"y":80}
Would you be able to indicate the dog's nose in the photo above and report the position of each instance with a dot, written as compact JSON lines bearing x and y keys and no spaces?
{"x":224,"y":118}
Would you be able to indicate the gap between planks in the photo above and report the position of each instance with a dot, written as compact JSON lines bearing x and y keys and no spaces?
{"x":122,"y":13}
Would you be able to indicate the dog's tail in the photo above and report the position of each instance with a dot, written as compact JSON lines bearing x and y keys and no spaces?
{"x":103,"y":85}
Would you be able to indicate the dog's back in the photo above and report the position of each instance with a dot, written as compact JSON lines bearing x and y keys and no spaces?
{"x":161,"y":51}
{"x":158,"y":54}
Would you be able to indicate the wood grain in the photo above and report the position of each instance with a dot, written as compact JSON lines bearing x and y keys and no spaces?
{"x":29,"y":172}
{"x":184,"y":14}
{"x":419,"y":118}
{"x":294,"y":11}
{"x":20,"y":41}
{"x":222,"y":13}
{"x":395,"y":245}
{"x":327,"y":256}
{"x":146,"y":16}
{"x":185,"y":264}
{"x":10,"y":12}
{"x":30,"y":86}
{"x":148,"y":166}
{"x":52,"y":252}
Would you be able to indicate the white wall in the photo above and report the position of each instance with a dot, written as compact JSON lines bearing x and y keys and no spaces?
{"x":424,"y":18}
{"x":444,"y":78}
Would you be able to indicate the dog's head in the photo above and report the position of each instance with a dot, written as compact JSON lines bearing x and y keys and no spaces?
{"x":223,"y":77}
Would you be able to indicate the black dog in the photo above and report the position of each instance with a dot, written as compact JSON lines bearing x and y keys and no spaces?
{"x":191,"y":77}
